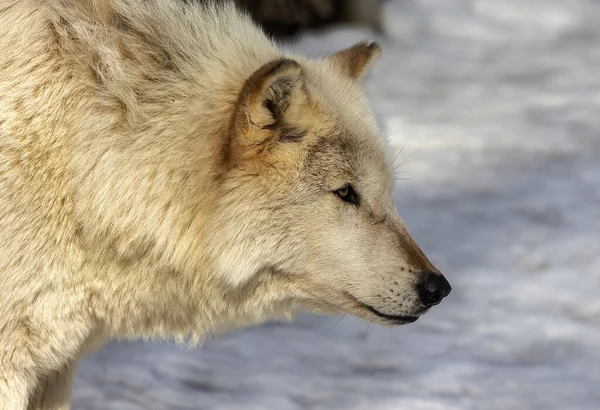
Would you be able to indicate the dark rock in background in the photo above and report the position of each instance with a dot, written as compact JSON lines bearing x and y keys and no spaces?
{"x":283,"y":18}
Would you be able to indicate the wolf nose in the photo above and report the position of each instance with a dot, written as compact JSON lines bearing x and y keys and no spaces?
{"x":432,"y":288}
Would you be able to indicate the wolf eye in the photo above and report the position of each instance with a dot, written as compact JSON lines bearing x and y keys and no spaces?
{"x":347,"y":194}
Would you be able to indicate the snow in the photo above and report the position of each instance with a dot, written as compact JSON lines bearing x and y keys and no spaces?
{"x":501,"y":100}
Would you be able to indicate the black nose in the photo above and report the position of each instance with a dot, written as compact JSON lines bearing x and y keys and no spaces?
{"x":432,"y":288}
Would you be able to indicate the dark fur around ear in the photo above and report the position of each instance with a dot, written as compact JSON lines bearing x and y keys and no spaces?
{"x":270,"y":105}
{"x":355,"y":61}
{"x":287,"y":75}
{"x":279,"y":88}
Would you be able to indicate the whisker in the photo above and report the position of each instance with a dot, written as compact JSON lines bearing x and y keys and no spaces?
{"x":372,"y":330}
{"x":406,"y":159}
{"x":404,"y":145}
{"x":338,"y":321}
{"x":403,"y":179}
{"x":366,"y":331}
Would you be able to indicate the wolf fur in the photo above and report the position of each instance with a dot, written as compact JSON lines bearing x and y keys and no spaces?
{"x":167,"y":172}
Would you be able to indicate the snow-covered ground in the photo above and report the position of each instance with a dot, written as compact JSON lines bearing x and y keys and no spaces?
{"x":502,"y":99}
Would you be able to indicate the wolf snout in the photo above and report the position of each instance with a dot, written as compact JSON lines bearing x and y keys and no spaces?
{"x":432,"y":288}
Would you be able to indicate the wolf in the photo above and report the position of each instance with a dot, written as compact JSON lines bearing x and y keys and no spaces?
{"x":167,"y":172}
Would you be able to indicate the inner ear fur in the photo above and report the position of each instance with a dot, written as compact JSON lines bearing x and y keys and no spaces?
{"x":355,"y":61}
{"x":270,"y":107}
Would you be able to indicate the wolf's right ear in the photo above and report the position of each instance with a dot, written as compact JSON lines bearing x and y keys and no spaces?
{"x":269,"y":108}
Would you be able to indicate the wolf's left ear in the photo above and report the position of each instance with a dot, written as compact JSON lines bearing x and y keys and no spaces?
{"x":270,"y":107}
{"x":355,"y":61}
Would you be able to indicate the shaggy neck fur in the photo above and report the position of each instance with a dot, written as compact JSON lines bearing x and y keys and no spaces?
{"x":133,"y":61}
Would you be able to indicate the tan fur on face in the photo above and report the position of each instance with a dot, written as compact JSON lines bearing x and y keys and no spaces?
{"x":167,"y":172}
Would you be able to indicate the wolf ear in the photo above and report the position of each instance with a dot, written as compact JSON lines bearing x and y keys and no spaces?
{"x":355,"y":61}
{"x":270,"y":107}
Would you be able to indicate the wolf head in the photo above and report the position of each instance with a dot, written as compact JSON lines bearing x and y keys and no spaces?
{"x":306,"y":200}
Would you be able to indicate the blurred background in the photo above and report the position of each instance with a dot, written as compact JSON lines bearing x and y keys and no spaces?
{"x":494,"y":107}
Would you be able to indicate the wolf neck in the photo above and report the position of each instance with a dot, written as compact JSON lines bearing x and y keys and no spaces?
{"x":165,"y":77}
{"x":162,"y":112}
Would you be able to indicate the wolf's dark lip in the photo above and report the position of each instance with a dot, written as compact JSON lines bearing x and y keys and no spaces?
{"x":398,"y":319}
{"x":393,"y":318}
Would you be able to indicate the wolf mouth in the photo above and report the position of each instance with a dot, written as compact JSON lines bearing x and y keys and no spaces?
{"x":392,"y":318}
{"x":398,"y":319}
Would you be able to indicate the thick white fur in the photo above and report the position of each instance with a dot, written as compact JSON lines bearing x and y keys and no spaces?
{"x":120,"y":218}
